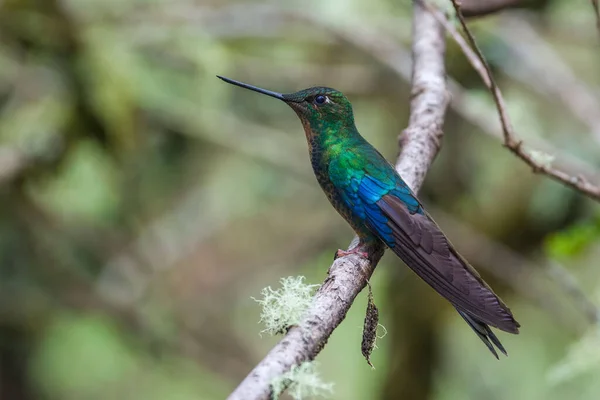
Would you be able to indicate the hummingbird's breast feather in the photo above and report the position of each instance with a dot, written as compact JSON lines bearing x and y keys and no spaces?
{"x":338,"y":168}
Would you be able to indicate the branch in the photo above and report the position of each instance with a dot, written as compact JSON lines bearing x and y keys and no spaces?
{"x":479,"y":8}
{"x":597,"y":12}
{"x":477,"y":60}
{"x":421,"y":142}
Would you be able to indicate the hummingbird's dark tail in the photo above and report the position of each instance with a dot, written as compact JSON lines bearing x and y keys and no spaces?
{"x":484,"y":332}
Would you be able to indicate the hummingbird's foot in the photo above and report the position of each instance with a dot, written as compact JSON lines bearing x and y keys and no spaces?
{"x":342,"y":253}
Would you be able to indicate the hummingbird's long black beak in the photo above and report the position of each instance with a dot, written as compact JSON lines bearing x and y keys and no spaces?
{"x":256,"y":89}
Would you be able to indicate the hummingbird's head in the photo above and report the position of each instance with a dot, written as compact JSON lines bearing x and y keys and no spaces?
{"x":320,"y":104}
{"x":319,"y":108}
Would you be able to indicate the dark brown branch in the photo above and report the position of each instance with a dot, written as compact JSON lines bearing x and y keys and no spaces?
{"x":479,"y":8}
{"x":477,"y":60}
{"x":348,"y":275}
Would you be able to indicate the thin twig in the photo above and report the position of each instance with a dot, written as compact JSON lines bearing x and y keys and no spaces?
{"x":479,"y":63}
{"x":336,"y":295}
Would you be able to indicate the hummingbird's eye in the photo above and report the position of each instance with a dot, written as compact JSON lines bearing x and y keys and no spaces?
{"x":320,"y":99}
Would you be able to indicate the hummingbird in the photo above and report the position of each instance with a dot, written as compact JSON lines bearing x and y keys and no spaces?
{"x":372,"y":197}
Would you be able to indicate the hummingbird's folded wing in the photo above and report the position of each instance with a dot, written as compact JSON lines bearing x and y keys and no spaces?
{"x":376,"y":194}
{"x":420,"y":243}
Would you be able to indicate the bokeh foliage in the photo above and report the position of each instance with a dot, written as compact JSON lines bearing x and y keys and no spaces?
{"x":144,"y":201}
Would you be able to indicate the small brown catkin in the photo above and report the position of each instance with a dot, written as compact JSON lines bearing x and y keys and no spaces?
{"x":370,"y":327}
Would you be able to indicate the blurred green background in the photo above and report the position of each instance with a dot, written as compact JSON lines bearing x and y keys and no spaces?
{"x":144,"y":202}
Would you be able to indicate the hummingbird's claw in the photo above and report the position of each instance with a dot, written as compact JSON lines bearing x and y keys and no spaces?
{"x":342,"y":253}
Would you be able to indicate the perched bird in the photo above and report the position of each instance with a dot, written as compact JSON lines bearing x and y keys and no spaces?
{"x":368,"y":192}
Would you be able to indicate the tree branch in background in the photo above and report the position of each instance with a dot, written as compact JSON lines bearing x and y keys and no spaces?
{"x":479,"y":8}
{"x":597,"y":12}
{"x":421,"y":142}
{"x":17,"y":164}
{"x":12,"y":163}
{"x":538,"y":164}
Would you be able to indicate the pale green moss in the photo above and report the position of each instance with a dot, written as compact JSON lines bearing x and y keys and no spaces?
{"x":543,"y":159}
{"x":302,"y":382}
{"x":286,"y":306}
